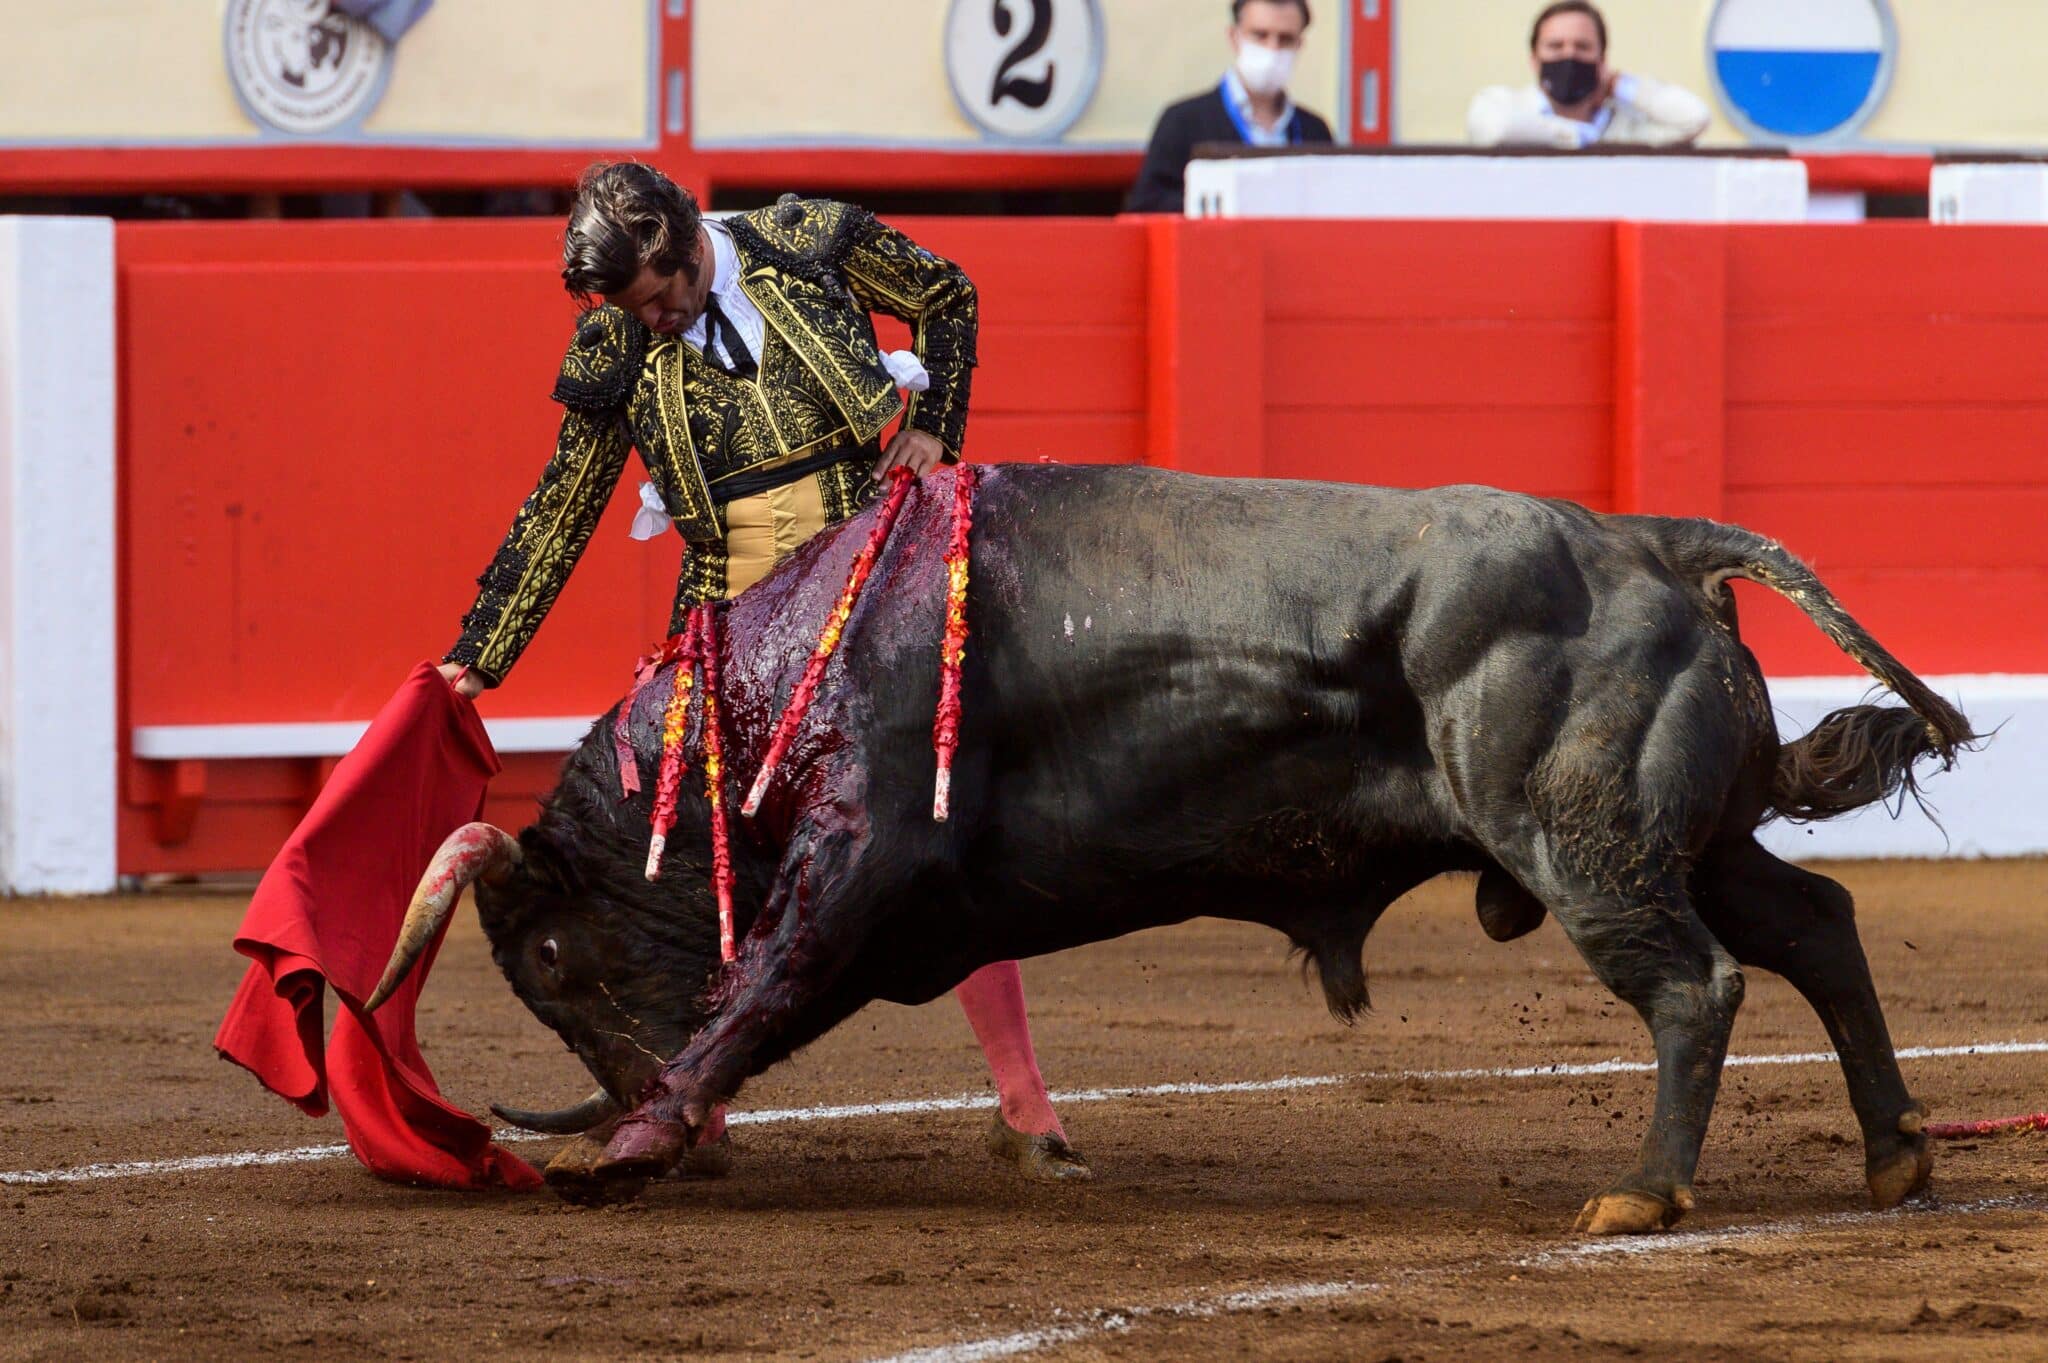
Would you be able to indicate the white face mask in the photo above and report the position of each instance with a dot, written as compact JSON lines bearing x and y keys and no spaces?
{"x":1264,"y":70}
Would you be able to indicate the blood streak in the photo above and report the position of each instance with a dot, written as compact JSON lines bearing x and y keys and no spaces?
{"x":828,"y":639}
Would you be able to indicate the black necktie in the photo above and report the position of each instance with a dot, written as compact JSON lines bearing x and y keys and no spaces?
{"x":721,"y":334}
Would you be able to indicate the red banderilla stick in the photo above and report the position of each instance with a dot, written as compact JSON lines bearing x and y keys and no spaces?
{"x":643,"y":673}
{"x":675,"y":726}
{"x":953,"y":647}
{"x":714,"y":778}
{"x":1995,"y":1126}
{"x":828,"y":639}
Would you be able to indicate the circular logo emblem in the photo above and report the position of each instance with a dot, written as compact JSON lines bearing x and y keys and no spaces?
{"x":300,"y":68}
{"x":1024,"y":70}
{"x":1808,"y":72}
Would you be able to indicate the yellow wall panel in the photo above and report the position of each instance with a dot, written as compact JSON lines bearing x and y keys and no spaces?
{"x":1969,"y":73}
{"x":115,"y":70}
{"x":853,"y":72}
{"x":154,"y":71}
{"x":535,"y":70}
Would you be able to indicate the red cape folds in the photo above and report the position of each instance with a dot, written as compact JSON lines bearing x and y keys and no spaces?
{"x":328,"y":910}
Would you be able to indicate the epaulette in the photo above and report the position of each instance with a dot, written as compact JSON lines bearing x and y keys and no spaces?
{"x":603,"y":362}
{"x":809,"y":238}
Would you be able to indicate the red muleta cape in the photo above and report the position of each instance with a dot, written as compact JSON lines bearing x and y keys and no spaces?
{"x":328,"y":910}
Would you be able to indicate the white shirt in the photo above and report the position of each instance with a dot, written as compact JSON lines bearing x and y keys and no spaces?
{"x":1642,"y":111}
{"x":1240,"y":99}
{"x":732,"y":299}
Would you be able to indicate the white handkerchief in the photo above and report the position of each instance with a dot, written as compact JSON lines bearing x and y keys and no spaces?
{"x":907,"y":370}
{"x":651,"y":521}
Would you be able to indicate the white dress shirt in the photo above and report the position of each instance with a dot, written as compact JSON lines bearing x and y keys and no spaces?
{"x":1642,"y":111}
{"x":732,"y":299}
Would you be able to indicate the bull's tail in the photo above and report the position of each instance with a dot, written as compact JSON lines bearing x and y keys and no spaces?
{"x":1855,"y":756}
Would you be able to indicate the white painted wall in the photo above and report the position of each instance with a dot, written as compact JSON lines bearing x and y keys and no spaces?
{"x":1566,"y":186}
{"x":1994,"y":804}
{"x":57,"y":736}
{"x":1974,"y":193}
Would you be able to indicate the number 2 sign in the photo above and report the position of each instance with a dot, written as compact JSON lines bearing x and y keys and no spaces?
{"x":1024,"y":70}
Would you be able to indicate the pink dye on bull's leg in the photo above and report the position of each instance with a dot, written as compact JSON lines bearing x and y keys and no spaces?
{"x":953,"y":647}
{"x":828,"y":639}
{"x":993,"y":999}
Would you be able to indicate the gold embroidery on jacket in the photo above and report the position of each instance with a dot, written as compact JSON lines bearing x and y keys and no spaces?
{"x":815,"y":269}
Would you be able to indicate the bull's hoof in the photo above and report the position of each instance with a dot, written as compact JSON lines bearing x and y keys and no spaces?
{"x":573,"y":1172}
{"x":592,"y":1185}
{"x":643,"y":1148}
{"x":1900,"y":1175}
{"x":1631,"y":1213}
{"x":706,"y":1159}
{"x":575,"y":1160}
{"x":1897,"y":1170}
{"x":1046,"y":1157}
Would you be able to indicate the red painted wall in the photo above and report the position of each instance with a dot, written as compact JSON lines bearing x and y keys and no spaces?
{"x":326,"y":427}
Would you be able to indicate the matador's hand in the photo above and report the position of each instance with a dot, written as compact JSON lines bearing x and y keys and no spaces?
{"x":916,"y":451}
{"x":465,"y":682}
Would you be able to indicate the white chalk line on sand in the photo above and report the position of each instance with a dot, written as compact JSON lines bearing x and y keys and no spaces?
{"x":304,"y":1154}
{"x":1122,"y":1320}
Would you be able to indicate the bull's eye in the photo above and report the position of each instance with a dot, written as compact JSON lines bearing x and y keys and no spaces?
{"x":548,"y":953}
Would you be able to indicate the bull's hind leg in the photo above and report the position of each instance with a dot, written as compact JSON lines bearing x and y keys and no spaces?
{"x":1655,"y":954}
{"x":1803,"y":926}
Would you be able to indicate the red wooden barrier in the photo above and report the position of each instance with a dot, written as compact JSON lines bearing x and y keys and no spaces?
{"x":325,"y":427}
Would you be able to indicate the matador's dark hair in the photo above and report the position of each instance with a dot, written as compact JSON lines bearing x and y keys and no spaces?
{"x":627,"y":216}
{"x":1585,"y":7}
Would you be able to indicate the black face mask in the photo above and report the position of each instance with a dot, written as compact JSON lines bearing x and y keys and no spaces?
{"x":1569,"y":80}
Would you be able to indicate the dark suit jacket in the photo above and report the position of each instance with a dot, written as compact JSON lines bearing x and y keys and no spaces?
{"x":1204,"y":118}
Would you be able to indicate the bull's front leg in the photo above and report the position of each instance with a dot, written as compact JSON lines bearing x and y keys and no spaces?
{"x":778,"y":994}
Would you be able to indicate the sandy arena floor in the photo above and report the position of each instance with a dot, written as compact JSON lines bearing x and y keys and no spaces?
{"x":1391,"y":1211}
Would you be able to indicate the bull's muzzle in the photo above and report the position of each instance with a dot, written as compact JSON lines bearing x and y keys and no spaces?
{"x":473,"y":852}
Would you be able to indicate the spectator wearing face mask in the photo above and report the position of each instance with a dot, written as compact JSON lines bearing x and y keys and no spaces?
{"x":1249,"y":105}
{"x":1578,"y":99}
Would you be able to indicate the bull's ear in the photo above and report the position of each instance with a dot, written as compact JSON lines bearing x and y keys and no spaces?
{"x":545,"y":862}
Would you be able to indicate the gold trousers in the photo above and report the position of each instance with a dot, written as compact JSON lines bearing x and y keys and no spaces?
{"x":764,"y":529}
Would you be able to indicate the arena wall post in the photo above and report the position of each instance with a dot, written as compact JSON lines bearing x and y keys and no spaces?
{"x":57,"y":603}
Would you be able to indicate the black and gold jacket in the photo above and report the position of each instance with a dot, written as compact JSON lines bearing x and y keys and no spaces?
{"x":816,"y":270}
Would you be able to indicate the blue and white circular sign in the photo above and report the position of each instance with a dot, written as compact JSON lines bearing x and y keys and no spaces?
{"x":1801,"y":70}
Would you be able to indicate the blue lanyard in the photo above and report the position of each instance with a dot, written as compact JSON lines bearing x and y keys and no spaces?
{"x":1244,"y":128}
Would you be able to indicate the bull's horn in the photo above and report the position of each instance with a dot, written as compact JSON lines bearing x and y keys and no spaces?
{"x":569,"y":1121}
{"x":475,"y":851}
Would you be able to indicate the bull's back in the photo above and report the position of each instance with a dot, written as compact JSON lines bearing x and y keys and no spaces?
{"x":1162,"y":664}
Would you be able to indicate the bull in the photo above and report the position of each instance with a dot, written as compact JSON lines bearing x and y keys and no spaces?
{"x":1284,"y":703}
